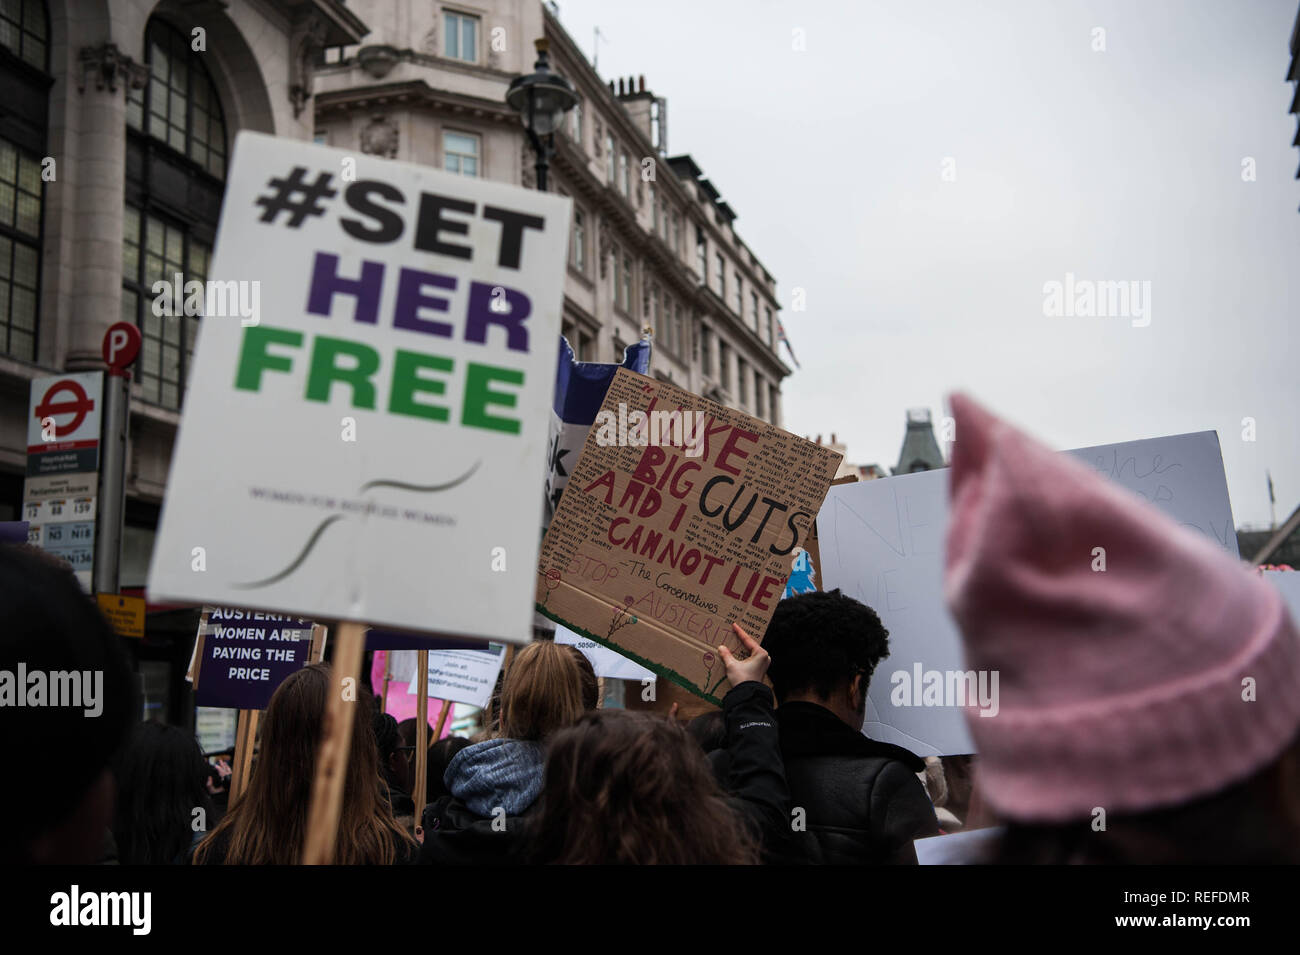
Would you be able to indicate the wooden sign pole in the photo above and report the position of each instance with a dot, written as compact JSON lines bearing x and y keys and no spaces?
{"x":421,"y":787}
{"x":442,"y":721}
{"x":388,"y":677}
{"x":245,"y":740}
{"x":316,"y":651}
{"x":335,"y":748}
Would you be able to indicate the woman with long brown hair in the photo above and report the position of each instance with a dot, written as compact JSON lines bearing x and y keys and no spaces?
{"x":631,"y":788}
{"x":267,"y":824}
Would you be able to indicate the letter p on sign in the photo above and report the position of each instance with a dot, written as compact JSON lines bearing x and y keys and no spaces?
{"x":121,"y":346}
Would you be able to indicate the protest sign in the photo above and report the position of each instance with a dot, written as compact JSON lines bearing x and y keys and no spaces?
{"x":882,"y":542}
{"x":245,"y":655}
{"x":388,"y":390}
{"x":605,"y":662}
{"x":463,"y":676}
{"x":678,"y":520}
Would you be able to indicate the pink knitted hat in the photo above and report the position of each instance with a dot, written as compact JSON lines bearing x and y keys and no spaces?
{"x":1120,"y":688}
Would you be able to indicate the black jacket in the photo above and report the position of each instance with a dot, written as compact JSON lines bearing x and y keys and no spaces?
{"x":753,"y":775}
{"x":455,"y":835}
{"x":860,"y":799}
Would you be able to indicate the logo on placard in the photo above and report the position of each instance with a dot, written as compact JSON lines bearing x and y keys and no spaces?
{"x":349,"y":506}
{"x":79,"y":405}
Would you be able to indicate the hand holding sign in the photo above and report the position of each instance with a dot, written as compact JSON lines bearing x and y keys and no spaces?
{"x":752,"y":667}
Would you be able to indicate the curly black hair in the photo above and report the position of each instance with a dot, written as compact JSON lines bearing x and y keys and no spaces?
{"x":820,"y":641}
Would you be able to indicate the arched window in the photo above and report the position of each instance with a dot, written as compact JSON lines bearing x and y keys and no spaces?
{"x":25,"y":79}
{"x":176,"y":161}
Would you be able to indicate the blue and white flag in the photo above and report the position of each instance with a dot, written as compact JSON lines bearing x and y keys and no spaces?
{"x":580,"y":388}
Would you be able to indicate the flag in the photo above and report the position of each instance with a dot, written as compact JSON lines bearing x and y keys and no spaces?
{"x":580,"y":388}
{"x":780,"y":334}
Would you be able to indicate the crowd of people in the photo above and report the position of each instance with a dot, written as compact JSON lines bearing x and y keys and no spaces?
{"x":1150,"y":713}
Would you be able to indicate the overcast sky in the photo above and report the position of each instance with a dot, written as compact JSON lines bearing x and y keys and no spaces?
{"x":1120,"y":165}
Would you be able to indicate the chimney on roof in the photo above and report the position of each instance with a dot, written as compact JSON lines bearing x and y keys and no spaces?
{"x":641,"y":84}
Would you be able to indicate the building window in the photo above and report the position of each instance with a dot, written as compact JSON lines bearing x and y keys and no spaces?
{"x":611,"y":159}
{"x":176,"y":155}
{"x":753,"y":301}
{"x":770,"y":329}
{"x":654,"y":212}
{"x":460,"y":32}
{"x":773,"y":413}
{"x":721,"y":265}
{"x":659,"y":330}
{"x":624,"y":181}
{"x":460,"y":153}
{"x":627,"y":281}
{"x":702,"y":254}
{"x":155,"y":250}
{"x":724,"y":365}
{"x":679,"y":328}
{"x":676,"y":233}
{"x":575,"y":123}
{"x":760,"y":395}
{"x":24,"y":31}
{"x":742,"y":381}
{"x":740,"y":296}
{"x":578,"y":247}
{"x":20,"y":257}
{"x":179,"y":106}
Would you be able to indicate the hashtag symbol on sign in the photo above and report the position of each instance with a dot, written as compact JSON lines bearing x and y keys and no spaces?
{"x":286,"y":193}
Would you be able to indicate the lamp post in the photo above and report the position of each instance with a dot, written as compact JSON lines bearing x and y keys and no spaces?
{"x":541,"y":98}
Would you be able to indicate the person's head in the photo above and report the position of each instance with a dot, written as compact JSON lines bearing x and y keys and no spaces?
{"x":440,"y":755}
{"x":824,"y":648}
{"x":266,"y":824}
{"x":54,"y":635}
{"x":632,"y":788}
{"x":161,"y":778}
{"x":1158,"y":696}
{"x":590,"y":685}
{"x":709,"y":730}
{"x":395,"y":760}
{"x":542,"y":692}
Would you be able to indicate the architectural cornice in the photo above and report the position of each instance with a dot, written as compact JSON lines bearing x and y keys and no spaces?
{"x":412,"y":93}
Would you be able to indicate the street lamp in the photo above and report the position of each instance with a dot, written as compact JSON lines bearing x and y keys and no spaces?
{"x":541,"y":99}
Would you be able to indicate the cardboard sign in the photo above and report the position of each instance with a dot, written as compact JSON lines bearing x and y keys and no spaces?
{"x":605,"y":662}
{"x":246,"y":655}
{"x":388,"y":400}
{"x":463,"y":676}
{"x":882,"y":542}
{"x":125,"y":614}
{"x":667,"y":533}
